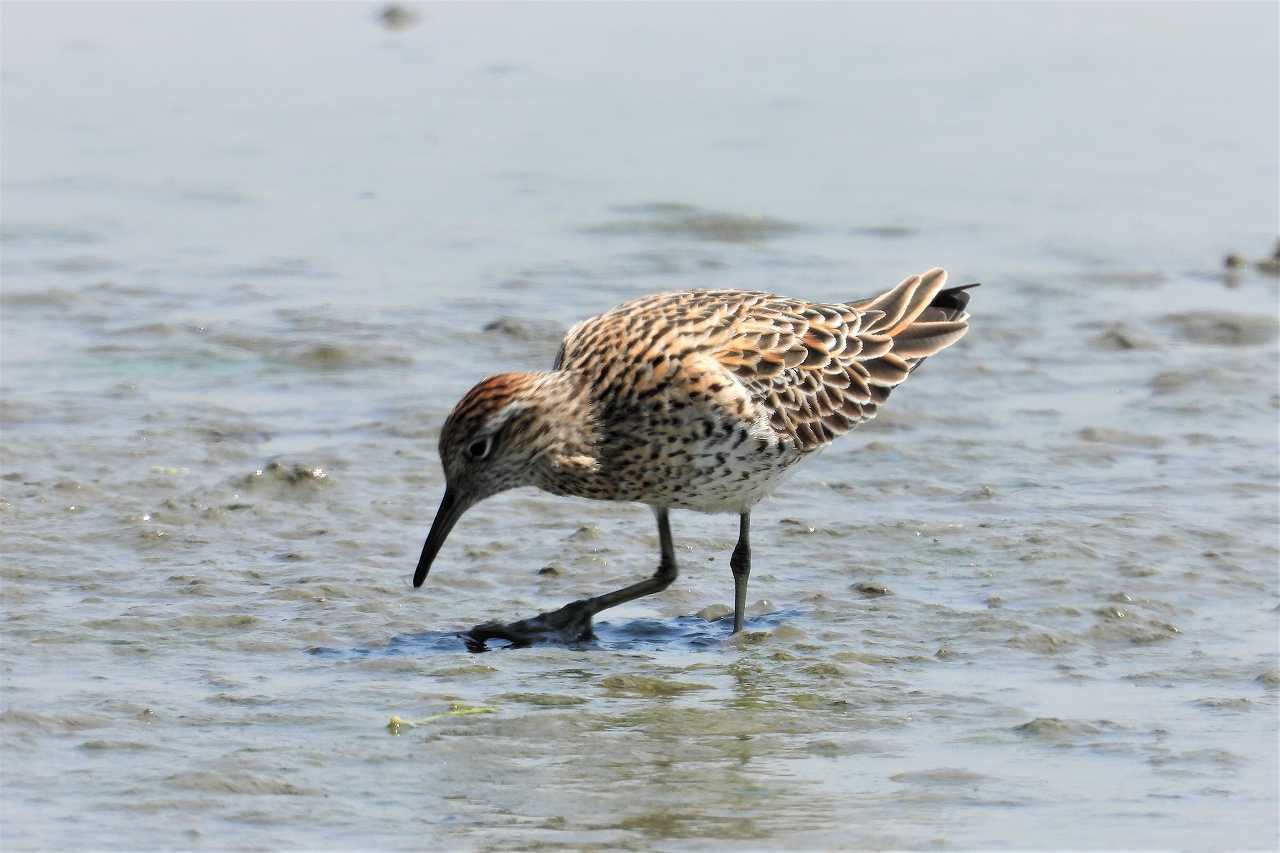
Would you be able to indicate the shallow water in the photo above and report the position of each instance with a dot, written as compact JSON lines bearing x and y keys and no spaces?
{"x":253,"y":253}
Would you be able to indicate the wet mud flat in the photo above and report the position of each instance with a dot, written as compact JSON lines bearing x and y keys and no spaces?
{"x":1041,"y":605}
{"x":1033,"y":604}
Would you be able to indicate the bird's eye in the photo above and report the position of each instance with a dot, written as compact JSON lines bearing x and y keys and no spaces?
{"x":480,"y":448}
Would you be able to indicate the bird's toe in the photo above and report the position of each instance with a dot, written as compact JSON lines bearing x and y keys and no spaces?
{"x":570,"y":624}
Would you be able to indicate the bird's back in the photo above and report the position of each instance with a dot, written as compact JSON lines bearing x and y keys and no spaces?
{"x":704,"y":398}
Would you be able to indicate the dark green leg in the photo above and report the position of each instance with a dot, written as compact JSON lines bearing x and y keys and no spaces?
{"x":572,"y":623}
{"x":661,"y":579}
{"x":740,"y":562}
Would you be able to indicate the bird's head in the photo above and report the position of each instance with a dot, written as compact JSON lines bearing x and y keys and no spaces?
{"x":510,"y":430}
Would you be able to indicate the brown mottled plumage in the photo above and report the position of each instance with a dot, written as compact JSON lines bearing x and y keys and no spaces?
{"x":693,"y":400}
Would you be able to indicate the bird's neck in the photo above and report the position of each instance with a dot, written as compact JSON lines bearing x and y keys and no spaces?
{"x":570,"y":435}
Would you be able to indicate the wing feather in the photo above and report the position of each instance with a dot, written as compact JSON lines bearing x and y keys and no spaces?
{"x":813,"y":371}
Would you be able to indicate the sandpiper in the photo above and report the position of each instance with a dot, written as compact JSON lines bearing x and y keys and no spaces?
{"x":698,"y":400}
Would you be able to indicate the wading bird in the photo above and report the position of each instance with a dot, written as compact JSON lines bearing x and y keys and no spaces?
{"x":696,"y":400}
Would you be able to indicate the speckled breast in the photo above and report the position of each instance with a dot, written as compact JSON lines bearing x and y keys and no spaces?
{"x":675,"y":453}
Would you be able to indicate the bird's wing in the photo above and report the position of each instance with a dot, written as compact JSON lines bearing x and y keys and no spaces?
{"x":819,"y":370}
{"x":672,"y":325}
{"x":643,"y":351}
{"x":816,"y":370}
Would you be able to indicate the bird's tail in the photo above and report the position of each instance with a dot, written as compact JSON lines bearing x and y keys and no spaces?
{"x":919,"y":319}
{"x":949,"y":304}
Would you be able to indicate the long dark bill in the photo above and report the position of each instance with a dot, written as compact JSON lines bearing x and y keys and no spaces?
{"x":451,"y":509}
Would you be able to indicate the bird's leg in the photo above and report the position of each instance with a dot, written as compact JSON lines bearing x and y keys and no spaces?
{"x":662,"y":578}
{"x":572,"y":623}
{"x":740,"y":562}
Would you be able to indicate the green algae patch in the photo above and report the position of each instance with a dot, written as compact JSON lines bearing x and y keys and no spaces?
{"x":544,"y":700}
{"x":647,"y":685}
{"x":814,"y":702}
{"x":464,"y":671}
{"x":865,"y":658}
{"x":456,"y":709}
{"x":789,"y":633}
{"x":750,"y":638}
{"x":683,"y":221}
{"x":687,"y":720}
{"x":824,"y":670}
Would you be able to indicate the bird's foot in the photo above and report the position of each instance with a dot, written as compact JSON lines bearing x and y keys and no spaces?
{"x":570,"y":624}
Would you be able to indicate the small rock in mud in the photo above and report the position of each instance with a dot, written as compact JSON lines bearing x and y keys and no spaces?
{"x":525,"y":330}
{"x":550,"y":571}
{"x":712,"y":612}
{"x":800,"y":529}
{"x":1139,"y":632}
{"x":1042,"y":643}
{"x":290,"y":473}
{"x":1121,"y":338}
{"x":1052,"y":728}
{"x":981,"y":492}
{"x":585,"y":533}
{"x":397,"y":17}
{"x":324,"y":356}
{"x":1269,"y":265}
{"x":870,"y":590}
